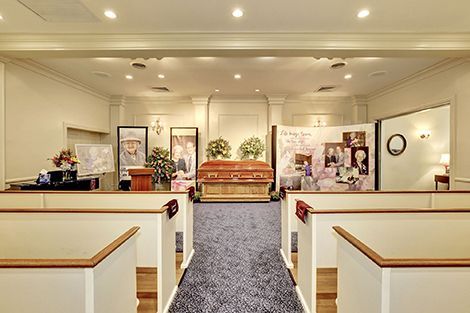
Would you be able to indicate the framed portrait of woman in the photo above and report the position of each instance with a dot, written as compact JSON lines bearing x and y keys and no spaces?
{"x":132,"y":149}
{"x":184,"y":153}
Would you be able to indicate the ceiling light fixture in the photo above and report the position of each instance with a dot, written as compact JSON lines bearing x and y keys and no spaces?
{"x":237,"y":76}
{"x":348,"y":76}
{"x":161,"y":76}
{"x":256,"y":90}
{"x":363,"y":13}
{"x":237,"y":13}
{"x":129,"y":77}
{"x":1,"y":17}
{"x":110,"y":14}
{"x":217,"y":90}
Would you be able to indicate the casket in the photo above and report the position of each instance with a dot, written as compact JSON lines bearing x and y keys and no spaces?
{"x":241,"y":181}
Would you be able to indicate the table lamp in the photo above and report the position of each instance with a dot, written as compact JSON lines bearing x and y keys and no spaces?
{"x":445,"y":160}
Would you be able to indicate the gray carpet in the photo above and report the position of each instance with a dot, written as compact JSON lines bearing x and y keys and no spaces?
{"x":237,"y":266}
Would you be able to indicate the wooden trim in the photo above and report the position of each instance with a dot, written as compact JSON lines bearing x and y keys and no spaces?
{"x":82,"y":210}
{"x":146,"y":270}
{"x":383,"y":211}
{"x":374,"y":192}
{"x":71,"y":263}
{"x":398,"y":262}
{"x":96,"y":192}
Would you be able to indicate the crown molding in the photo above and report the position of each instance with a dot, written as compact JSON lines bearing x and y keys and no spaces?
{"x":426,"y":73}
{"x":49,"y":73}
{"x":258,"y":99}
{"x":164,"y":99}
{"x":235,"y":44}
{"x":320,"y":99}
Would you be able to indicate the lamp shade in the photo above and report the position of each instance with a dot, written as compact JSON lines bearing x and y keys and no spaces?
{"x":445,"y":159}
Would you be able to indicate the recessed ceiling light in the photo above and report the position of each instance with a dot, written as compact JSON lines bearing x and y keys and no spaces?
{"x":237,"y":76}
{"x":1,"y":17}
{"x":363,"y":13}
{"x":217,"y":90}
{"x":256,"y":90}
{"x":348,"y":76}
{"x":110,"y":14}
{"x":237,"y":13}
{"x":161,"y":76}
{"x":129,"y":77}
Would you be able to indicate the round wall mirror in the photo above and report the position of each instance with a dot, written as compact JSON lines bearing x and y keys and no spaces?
{"x":396,"y":144}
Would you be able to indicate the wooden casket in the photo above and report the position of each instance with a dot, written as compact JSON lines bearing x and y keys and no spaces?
{"x":241,"y":181}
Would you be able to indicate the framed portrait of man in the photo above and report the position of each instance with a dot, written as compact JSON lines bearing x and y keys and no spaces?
{"x":183,"y":150}
{"x":132,"y":149}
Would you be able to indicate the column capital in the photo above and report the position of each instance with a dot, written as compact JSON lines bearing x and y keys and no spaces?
{"x":200,"y":100}
{"x":359,"y":100}
{"x":276,"y":99}
{"x":116,"y":101}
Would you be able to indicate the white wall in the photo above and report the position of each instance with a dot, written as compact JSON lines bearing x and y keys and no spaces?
{"x":448,"y":82}
{"x":416,"y":167}
{"x":38,"y":105}
{"x":305,"y":111}
{"x":236,"y":119}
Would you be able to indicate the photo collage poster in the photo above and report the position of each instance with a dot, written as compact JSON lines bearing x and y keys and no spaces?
{"x":338,"y":158}
{"x":183,"y":150}
{"x":132,"y":149}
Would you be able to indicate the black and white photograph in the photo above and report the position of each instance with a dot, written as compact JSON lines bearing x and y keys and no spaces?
{"x":360,"y":159}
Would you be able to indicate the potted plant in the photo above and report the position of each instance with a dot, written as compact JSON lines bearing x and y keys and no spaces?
{"x":218,"y":149}
{"x":164,"y":167}
{"x":67,"y":161}
{"x":252,"y":148}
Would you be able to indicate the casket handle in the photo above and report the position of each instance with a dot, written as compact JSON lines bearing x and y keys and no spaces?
{"x":234,"y":175}
{"x":212,"y":175}
{"x":257,"y":175}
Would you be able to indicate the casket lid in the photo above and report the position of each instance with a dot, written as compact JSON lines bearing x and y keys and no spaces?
{"x":232,"y":165}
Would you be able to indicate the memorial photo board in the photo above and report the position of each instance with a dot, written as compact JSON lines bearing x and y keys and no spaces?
{"x":94,"y":159}
{"x":336,"y":158}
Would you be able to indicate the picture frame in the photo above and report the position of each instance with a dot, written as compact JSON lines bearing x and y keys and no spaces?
{"x":94,"y":159}
{"x":132,"y":149}
{"x":184,"y":152}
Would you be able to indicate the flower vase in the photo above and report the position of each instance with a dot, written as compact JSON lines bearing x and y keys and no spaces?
{"x":219,"y":157}
{"x":251,"y":157}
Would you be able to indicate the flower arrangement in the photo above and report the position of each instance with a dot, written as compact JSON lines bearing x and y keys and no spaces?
{"x":65,"y":159}
{"x":218,"y":149}
{"x":252,"y":147}
{"x":160,"y":160}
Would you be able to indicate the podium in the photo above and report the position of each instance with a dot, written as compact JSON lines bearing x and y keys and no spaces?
{"x":141,"y":179}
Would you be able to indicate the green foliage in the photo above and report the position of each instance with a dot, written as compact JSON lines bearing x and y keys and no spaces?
{"x":218,"y":148}
{"x":252,"y":146}
{"x":160,"y":160}
{"x":197,"y":197}
{"x":275,"y":196}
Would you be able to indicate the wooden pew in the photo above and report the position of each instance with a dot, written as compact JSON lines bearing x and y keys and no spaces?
{"x":317,"y":243}
{"x":66,"y":269}
{"x":361,"y":199}
{"x":155,"y":243}
{"x":426,"y":268}
{"x":113,"y":200}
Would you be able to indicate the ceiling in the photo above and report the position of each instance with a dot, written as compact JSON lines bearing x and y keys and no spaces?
{"x":202,"y":75}
{"x":150,"y":16}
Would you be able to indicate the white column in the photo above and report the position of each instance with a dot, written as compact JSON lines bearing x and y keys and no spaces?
{"x":116,"y":118}
{"x":2,"y":127}
{"x":359,"y":104}
{"x":275,"y":107}
{"x":201,"y":120}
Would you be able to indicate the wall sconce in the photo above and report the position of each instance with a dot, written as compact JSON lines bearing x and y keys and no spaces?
{"x":319,"y":123}
{"x":424,"y":134}
{"x":157,"y":126}
{"x":445,"y":160}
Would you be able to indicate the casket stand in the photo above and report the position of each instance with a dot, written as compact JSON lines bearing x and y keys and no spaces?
{"x":239,"y":181}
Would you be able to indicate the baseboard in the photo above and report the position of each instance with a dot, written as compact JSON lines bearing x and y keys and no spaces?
{"x":185,"y":265}
{"x":302,"y":300}
{"x":146,"y":270}
{"x":170,"y":300}
{"x":288,"y":263}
